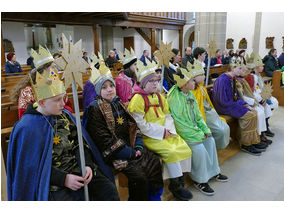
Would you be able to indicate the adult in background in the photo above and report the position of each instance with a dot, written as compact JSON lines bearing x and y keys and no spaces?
{"x":111,"y":59}
{"x":12,"y":66}
{"x":172,"y":69}
{"x":188,"y":56}
{"x":281,"y":59}
{"x":144,"y":56}
{"x":270,"y":63}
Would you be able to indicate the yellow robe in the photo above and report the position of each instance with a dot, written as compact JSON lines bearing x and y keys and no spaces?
{"x":201,"y":94}
{"x":152,"y":125}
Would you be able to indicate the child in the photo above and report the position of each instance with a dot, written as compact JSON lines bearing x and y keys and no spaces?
{"x":193,"y":130}
{"x":151,"y":112}
{"x":126,"y":80}
{"x":117,"y":137}
{"x":43,"y":160}
{"x":218,"y":126}
{"x":227,"y":101}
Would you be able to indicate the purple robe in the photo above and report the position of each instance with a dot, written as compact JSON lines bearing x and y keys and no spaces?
{"x":222,"y":98}
{"x":89,"y":94}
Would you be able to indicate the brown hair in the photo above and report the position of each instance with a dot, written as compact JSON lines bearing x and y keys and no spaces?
{"x":26,"y":81}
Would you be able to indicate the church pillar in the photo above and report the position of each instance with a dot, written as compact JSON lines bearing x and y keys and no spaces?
{"x":107,"y":40}
{"x":208,"y":26}
{"x":256,"y":35}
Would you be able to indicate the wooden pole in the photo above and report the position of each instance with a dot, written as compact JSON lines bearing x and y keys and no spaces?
{"x":153,"y":41}
{"x":96,"y":39}
{"x":80,"y":138}
{"x":180,"y":41}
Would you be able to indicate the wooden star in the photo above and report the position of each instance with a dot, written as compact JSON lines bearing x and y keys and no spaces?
{"x":72,"y":62}
{"x":266,"y":91}
{"x":164,"y":54}
{"x":212,"y":48}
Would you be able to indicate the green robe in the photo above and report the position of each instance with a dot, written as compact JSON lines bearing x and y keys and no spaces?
{"x":188,"y":119}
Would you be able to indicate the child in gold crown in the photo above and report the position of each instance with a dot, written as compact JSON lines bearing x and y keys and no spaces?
{"x":151,"y":112}
{"x":43,"y":161}
{"x":118,"y":138}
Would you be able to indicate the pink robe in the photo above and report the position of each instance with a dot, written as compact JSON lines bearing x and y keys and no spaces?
{"x":124,"y":87}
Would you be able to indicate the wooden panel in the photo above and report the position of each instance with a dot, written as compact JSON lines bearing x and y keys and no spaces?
{"x":96,"y":39}
{"x":9,"y":117}
{"x":128,"y":42}
{"x":180,"y":41}
{"x":278,"y":92}
{"x":3,"y":60}
{"x":153,"y":41}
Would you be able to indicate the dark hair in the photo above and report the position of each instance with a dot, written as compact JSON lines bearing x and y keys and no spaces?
{"x":144,"y":51}
{"x":84,"y":53}
{"x":241,"y":51}
{"x":175,"y":51}
{"x":198,"y":51}
{"x":56,"y":54}
{"x":271,"y":51}
{"x":231,"y":52}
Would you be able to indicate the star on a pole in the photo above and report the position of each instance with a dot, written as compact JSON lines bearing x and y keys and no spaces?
{"x":212,"y":48}
{"x":164,"y":54}
{"x":72,"y":62}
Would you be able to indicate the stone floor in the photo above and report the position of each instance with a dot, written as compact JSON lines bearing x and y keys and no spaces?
{"x":253,"y":178}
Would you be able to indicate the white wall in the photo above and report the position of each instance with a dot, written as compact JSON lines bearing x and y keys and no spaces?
{"x":271,"y":26}
{"x":139,"y":43}
{"x":86,"y":34}
{"x":14,"y":31}
{"x":240,"y":25}
{"x":171,"y":35}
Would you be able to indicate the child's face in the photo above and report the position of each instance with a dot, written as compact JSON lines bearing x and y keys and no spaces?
{"x":258,"y":69}
{"x":159,"y":75}
{"x":133,"y":67}
{"x":199,"y":79}
{"x":152,"y":85}
{"x":54,"y":105}
{"x":237,"y":71}
{"x":108,"y":91}
{"x":242,"y":72}
{"x":190,"y":85}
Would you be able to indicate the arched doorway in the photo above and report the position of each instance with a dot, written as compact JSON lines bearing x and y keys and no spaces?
{"x":191,"y":40}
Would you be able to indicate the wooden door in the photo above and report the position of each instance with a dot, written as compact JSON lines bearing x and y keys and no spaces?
{"x":128,"y":42}
{"x":191,"y":39}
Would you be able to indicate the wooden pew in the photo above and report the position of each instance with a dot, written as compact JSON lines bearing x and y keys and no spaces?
{"x":278,"y":91}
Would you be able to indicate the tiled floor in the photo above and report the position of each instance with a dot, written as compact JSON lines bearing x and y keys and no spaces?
{"x":253,"y":177}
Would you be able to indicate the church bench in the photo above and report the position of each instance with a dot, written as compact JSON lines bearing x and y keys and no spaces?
{"x":278,"y":91}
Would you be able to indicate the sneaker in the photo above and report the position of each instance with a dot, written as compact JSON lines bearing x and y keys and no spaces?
{"x":204,"y":188}
{"x":260,"y":146}
{"x":221,"y":178}
{"x":251,"y":150}
{"x":266,"y":140}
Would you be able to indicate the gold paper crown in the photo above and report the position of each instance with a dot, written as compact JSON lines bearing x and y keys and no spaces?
{"x":127,"y":56}
{"x":195,"y":68}
{"x":101,"y":73}
{"x":95,"y":59}
{"x":42,"y":57}
{"x":143,"y":71}
{"x":253,"y":60}
{"x":236,"y":62}
{"x":185,"y":78}
{"x":47,"y":85}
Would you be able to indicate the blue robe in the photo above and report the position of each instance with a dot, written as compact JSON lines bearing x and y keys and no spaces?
{"x":29,"y":159}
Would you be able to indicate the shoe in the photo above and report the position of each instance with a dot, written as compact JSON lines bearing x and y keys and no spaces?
{"x":265,"y":139}
{"x":221,"y":178}
{"x":204,"y":188}
{"x":260,"y":146}
{"x":251,"y":150}
{"x":269,"y":133}
{"x":182,"y":179}
{"x":178,"y":191}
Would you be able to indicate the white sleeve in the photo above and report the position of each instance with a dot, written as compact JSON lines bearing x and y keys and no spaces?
{"x":249,"y":100}
{"x":257,"y":95}
{"x":151,"y":130}
{"x":169,"y":124}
